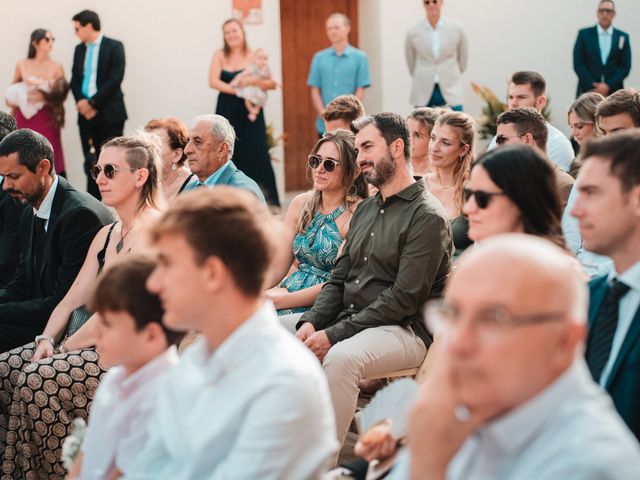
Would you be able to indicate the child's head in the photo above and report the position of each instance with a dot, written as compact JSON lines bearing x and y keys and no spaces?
{"x":261,"y":57}
{"x":130,"y":329}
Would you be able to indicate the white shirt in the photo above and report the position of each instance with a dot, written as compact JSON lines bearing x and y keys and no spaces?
{"x":570,"y":430}
{"x":93,"y":88}
{"x":44,"y":211}
{"x":627,"y":309}
{"x":120,"y":415}
{"x":435,"y":38}
{"x":604,"y":40}
{"x":258,"y":407}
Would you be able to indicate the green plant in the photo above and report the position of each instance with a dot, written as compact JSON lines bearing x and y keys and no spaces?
{"x":273,"y":140}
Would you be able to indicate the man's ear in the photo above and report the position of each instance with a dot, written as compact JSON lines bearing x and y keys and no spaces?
{"x":43,"y":167}
{"x":541,"y":101}
{"x":214,"y":274}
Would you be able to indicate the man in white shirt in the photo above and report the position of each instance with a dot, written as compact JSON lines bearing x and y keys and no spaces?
{"x":527,"y":89}
{"x":247,"y":400}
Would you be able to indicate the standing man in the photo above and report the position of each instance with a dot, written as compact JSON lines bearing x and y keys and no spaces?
{"x":608,"y":208}
{"x":436,"y":51}
{"x":602,"y":54}
{"x":96,"y":75}
{"x":338,"y":70}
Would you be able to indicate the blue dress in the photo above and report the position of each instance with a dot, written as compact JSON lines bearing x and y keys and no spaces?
{"x":316,"y":250}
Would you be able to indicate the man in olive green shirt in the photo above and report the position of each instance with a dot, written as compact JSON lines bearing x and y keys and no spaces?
{"x":366,"y":320}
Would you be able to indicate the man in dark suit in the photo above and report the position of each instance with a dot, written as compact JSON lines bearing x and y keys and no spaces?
{"x":96,"y":75}
{"x":56,"y":229}
{"x":602,"y":54}
{"x":608,"y":208}
{"x":10,"y":212}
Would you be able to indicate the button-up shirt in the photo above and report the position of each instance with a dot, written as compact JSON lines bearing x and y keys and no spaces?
{"x":435,"y":38}
{"x":44,"y":212}
{"x":604,"y":41}
{"x":397,"y":255}
{"x":257,"y":407}
{"x":211,"y":180}
{"x":93,"y":88}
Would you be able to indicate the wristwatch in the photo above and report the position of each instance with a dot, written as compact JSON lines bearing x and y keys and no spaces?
{"x":39,"y":338}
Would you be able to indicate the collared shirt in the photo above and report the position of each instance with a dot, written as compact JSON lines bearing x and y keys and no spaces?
{"x":397,"y":255}
{"x":44,"y":211}
{"x":628,"y":307}
{"x":604,"y":41}
{"x":211,"y":181}
{"x":93,"y":88}
{"x":337,"y":75}
{"x":435,"y":38}
{"x":256,"y":407}
{"x":568,"y":430}
{"x":120,"y":416}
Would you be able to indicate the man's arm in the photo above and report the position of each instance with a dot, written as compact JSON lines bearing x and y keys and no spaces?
{"x":10,"y":214}
{"x":426,"y":245}
{"x":316,"y":100}
{"x":410,"y":52}
{"x":76,"y":74}
{"x":463,"y":51}
{"x":114,"y":78}
{"x":624,"y":67}
{"x":579,"y":66}
{"x":314,"y":81}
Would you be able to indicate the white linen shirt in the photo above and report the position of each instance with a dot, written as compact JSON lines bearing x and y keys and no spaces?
{"x":258,"y":407}
{"x":120,"y":416}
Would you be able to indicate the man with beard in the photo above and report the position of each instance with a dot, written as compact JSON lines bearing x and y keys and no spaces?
{"x":366,"y":320}
{"x":55,"y":234}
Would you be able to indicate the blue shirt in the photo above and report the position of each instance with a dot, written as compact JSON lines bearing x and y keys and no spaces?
{"x":211,"y":181}
{"x":337,"y":75}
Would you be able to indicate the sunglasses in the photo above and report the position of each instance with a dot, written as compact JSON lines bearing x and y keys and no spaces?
{"x":482,"y":198}
{"x":428,"y":2}
{"x":502,"y":139}
{"x":109,"y":170}
{"x":48,"y":39}
{"x":329,"y":164}
{"x":606,"y":10}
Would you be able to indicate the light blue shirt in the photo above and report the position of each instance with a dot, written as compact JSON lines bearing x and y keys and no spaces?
{"x":211,"y":181}
{"x":570,"y":430}
{"x":604,"y":41}
{"x":92,"y":87}
{"x":627,"y":309}
{"x":337,"y":75}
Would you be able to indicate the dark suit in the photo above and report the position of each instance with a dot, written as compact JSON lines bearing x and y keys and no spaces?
{"x":10,"y":212}
{"x":623,"y":383}
{"x":108,"y":101}
{"x":27,"y":302}
{"x":587,"y":61}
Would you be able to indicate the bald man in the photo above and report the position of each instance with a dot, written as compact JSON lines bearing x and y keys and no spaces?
{"x":510,"y":395}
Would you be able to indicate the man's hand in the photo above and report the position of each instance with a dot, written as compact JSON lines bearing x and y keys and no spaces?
{"x":601,"y":88}
{"x":83,"y":106}
{"x":319,"y":344}
{"x":377,"y":443}
{"x":90,"y":113}
{"x":305,"y":331}
{"x":44,"y":350}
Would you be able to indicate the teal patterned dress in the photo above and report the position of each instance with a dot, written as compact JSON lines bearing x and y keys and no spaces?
{"x":316,"y":250}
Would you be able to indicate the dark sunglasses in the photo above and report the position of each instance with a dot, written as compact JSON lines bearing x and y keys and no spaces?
{"x":606,"y":10}
{"x":502,"y":139}
{"x":427,"y":2}
{"x":109,"y":170}
{"x":48,"y":39}
{"x":329,"y":164}
{"x":482,"y":198}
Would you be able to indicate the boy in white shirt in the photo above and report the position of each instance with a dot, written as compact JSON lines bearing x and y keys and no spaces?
{"x":131,"y":336}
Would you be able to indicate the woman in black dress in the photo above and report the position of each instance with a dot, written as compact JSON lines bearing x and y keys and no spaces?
{"x":250,"y":153}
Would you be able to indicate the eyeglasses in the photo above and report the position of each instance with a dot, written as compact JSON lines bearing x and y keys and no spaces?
{"x":481,"y":197}
{"x":49,"y":39}
{"x":109,"y":170}
{"x":502,"y":139}
{"x":606,"y":10}
{"x":329,"y":164}
{"x":427,"y":2}
{"x":441,"y":317}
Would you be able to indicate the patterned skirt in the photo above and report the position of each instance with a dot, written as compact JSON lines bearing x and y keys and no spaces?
{"x":38,"y":403}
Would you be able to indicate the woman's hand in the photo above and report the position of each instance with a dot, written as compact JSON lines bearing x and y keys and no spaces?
{"x":377,"y":443}
{"x":43,"y":350}
{"x":277,"y":295}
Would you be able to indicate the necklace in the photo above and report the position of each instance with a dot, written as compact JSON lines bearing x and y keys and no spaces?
{"x":120,"y":244}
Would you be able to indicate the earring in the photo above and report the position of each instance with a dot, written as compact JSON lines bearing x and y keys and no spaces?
{"x":174,"y":167}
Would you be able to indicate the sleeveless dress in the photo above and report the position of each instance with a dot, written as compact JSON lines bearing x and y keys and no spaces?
{"x":251,"y":154}
{"x":316,"y":250}
{"x":39,"y":401}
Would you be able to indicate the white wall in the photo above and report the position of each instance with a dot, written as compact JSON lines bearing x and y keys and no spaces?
{"x":168,"y":48}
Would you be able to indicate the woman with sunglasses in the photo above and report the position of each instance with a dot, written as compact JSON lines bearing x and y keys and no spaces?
{"x":582,"y":121}
{"x":513,"y":189}
{"x":317,"y":222}
{"x":38,"y":92}
{"x":52,"y":386}
{"x":451,"y":154}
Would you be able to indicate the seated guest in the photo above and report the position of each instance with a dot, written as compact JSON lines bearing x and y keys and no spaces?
{"x":509,"y":395}
{"x":127,"y":176}
{"x":528,"y":126}
{"x":174,"y":136}
{"x":55,"y":234}
{"x":607,"y":208}
{"x":513,"y":189}
{"x":397,"y":254}
{"x":341,"y":111}
{"x":246,"y":400}
{"x":209,"y":152}
{"x":317,"y":221}
{"x":582,"y":122}
{"x":421,"y":122}
{"x":451,"y":153}
{"x":10,"y":212}
{"x":131,"y":336}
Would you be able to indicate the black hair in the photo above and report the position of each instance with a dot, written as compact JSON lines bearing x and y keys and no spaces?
{"x":30,"y":146}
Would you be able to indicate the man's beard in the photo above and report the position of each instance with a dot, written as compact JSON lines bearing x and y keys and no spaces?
{"x":381,"y":173}
{"x":28,"y":199}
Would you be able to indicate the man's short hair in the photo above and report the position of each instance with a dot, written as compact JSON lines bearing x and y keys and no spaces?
{"x":7,"y":124}
{"x":227,"y":223}
{"x":626,"y":100}
{"x":623,"y":151}
{"x":390,"y":125}
{"x":533,"y":79}
{"x":87,"y":16}
{"x":122,"y":288}
{"x":344,"y":107}
{"x":30,"y":146}
{"x":527,"y":120}
{"x":342,"y":17}
{"x":221,"y":130}
{"x":608,"y":1}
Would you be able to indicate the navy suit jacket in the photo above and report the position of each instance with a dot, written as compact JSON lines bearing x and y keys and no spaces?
{"x":623,"y":383}
{"x":587,"y":61}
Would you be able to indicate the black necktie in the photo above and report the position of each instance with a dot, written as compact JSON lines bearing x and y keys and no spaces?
{"x":39,"y":236}
{"x":604,"y":328}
